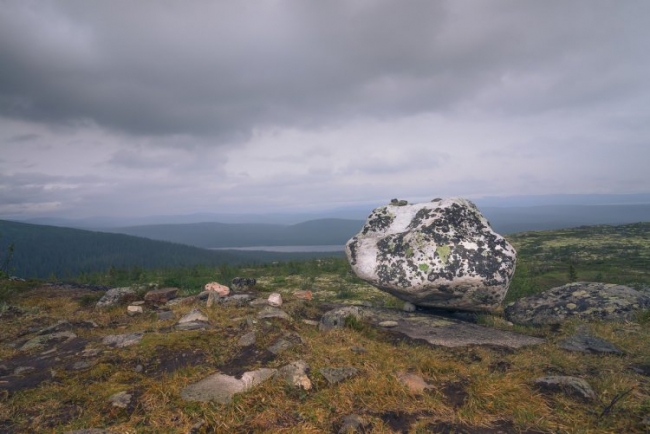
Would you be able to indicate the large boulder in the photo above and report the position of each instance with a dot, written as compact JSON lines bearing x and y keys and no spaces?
{"x":441,"y":254}
{"x":585,"y":300}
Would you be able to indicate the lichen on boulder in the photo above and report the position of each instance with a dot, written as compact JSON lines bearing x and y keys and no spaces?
{"x":441,"y":254}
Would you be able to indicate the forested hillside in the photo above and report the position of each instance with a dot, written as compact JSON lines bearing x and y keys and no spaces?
{"x":209,"y":235}
{"x":42,"y":251}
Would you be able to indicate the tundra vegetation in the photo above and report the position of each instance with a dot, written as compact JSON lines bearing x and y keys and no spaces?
{"x":470,"y":389}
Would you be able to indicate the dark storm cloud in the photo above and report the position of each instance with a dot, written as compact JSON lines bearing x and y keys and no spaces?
{"x":223,"y":69}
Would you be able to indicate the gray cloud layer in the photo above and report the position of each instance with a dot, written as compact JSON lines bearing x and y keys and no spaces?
{"x":144,"y":82}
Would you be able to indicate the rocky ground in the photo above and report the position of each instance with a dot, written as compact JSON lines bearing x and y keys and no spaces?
{"x":255,"y":362}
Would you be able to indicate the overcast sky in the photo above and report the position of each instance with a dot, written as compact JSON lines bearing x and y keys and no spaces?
{"x":132,"y":108}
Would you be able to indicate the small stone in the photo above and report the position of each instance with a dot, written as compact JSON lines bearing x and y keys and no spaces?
{"x":388,"y":324}
{"x":192,"y":325}
{"x":408,"y":307}
{"x":134,"y":310}
{"x":336,"y":375}
{"x":414,"y":383}
{"x":258,"y":302}
{"x":273,"y":312}
{"x":295,"y":374}
{"x":221,"y":388}
{"x":336,"y":318}
{"x":310,"y":322}
{"x":586,"y":343}
{"x":303,"y":295}
{"x":115,"y":296}
{"x":139,"y":369}
{"x":275,"y":299}
{"x":81,"y":365}
{"x":219,"y":289}
{"x":247,"y":340}
{"x":165,"y":315}
{"x":194,"y":315}
{"x":358,"y":350}
{"x":138,"y":303}
{"x":121,"y":341}
{"x":161,"y":296}
{"x":571,"y":386}
{"x":121,"y":399}
{"x":21,"y":370}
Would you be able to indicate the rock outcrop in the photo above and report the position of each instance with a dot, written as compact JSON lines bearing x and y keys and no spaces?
{"x":441,"y":254}
{"x":588,"y":300}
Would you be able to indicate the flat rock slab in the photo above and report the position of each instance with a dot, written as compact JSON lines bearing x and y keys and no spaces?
{"x":570,"y":386}
{"x":443,"y":331}
{"x":121,"y":341}
{"x":336,"y":375}
{"x":586,"y":300}
{"x":221,"y":388}
{"x":273,"y":312}
{"x":587,"y":343}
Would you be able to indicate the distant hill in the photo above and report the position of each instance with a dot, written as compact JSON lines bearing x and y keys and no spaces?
{"x":219,"y":235}
{"x":44,"y":250}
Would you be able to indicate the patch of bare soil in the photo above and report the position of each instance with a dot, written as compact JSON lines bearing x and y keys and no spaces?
{"x":249,"y":358}
{"x":166,"y":362}
{"x":455,"y":393}
{"x":37,"y":369}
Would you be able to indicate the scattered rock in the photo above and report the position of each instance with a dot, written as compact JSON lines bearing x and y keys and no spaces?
{"x":217,"y":288}
{"x":358,"y":350}
{"x":284,"y":343}
{"x":221,"y":388}
{"x":587,"y":300}
{"x":116,"y":296}
{"x":336,"y":318}
{"x":275,"y":299}
{"x":247,"y":340}
{"x":586,"y":343}
{"x":571,"y":386}
{"x":134,"y":310}
{"x":353,"y":423}
{"x":273,"y":312}
{"x":22,"y":370}
{"x":439,"y":254}
{"x":161,"y":296}
{"x":310,"y":322}
{"x":388,"y":324}
{"x":303,"y":295}
{"x":295,"y":374}
{"x":238,"y":300}
{"x":81,"y":365}
{"x":192,"y":325}
{"x":414,"y":383}
{"x":194,"y":315}
{"x":336,"y":375}
{"x":121,"y":341}
{"x":258,"y":302}
{"x":42,"y":340}
{"x":408,"y":307}
{"x":165,"y":315}
{"x":121,"y":399}
{"x":184,"y":301}
{"x":243,"y":283}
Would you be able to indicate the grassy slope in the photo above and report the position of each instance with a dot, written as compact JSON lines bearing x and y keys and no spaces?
{"x":496,"y":385}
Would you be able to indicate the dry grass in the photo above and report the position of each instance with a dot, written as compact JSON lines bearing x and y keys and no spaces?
{"x":474,"y":387}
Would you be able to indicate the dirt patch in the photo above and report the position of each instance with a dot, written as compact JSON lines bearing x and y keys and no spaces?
{"x":455,"y":393}
{"x":499,"y":427}
{"x":39,"y":367}
{"x":500,"y":366}
{"x":249,"y":358}
{"x":166,"y":361}
{"x":399,"y":421}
